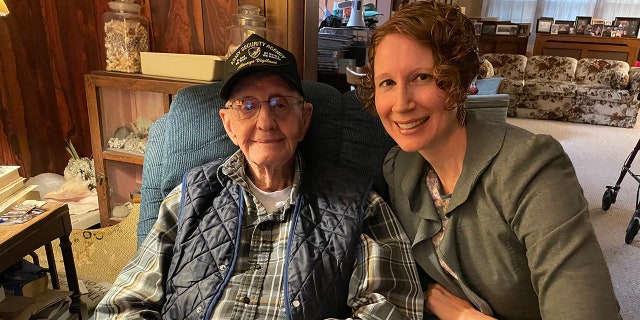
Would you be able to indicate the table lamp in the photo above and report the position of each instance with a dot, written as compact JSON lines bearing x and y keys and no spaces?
{"x":3,"y":9}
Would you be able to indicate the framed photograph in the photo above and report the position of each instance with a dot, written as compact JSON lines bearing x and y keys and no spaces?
{"x":582,"y":23}
{"x":544,"y":25}
{"x":607,"y":31}
{"x":524,"y":29}
{"x":564,"y":26}
{"x":554,"y":29}
{"x":489,"y":27}
{"x":477,"y":27}
{"x":597,"y":21}
{"x":616,"y":32}
{"x":588,"y":30}
{"x":628,"y":26}
{"x":507,"y":29}
{"x":597,"y":29}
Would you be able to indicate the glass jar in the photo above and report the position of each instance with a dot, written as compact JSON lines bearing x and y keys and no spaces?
{"x":246,"y":22}
{"x":126,"y":34}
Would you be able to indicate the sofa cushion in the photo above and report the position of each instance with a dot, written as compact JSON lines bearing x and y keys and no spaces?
{"x":535,"y":88}
{"x":508,"y":66}
{"x":594,"y":92}
{"x":602,"y":72}
{"x":634,"y":79}
{"x":486,"y":70}
{"x":553,"y":68}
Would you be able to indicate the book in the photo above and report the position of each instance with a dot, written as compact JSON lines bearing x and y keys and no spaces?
{"x":8,"y":174}
{"x":31,"y":286}
{"x":12,"y":306}
{"x":25,"y":193}
{"x":12,"y":187}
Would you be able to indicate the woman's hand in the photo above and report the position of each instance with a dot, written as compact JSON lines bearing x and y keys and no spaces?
{"x":446,"y":305}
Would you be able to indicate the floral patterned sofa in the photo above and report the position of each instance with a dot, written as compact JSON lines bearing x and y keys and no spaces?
{"x":589,"y":90}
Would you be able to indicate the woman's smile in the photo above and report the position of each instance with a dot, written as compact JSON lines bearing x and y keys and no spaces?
{"x":412,"y":124}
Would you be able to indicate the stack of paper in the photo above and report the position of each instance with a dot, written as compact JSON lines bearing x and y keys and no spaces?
{"x":332,"y":44}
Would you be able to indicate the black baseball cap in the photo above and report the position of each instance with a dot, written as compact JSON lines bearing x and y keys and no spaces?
{"x":258,"y":54}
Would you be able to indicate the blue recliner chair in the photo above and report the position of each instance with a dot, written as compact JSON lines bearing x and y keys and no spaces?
{"x":191,"y":134}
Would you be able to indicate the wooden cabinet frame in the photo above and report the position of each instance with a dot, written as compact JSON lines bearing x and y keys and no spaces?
{"x":104,"y":157}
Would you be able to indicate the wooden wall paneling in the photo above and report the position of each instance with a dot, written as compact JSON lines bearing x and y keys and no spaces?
{"x":217,"y":15}
{"x":310,"y":41}
{"x":69,"y":66}
{"x":276,"y":13}
{"x":293,"y":21}
{"x":12,"y":129}
{"x":178,"y":26}
{"x":47,"y":47}
{"x":286,"y":20}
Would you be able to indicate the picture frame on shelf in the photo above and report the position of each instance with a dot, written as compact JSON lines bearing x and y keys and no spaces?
{"x":582,"y":22}
{"x":564,"y":26}
{"x":616,"y":32}
{"x":628,"y":26}
{"x":477,"y":27}
{"x":524,"y":29}
{"x":544,"y":25}
{"x":554,"y":29}
{"x":597,"y":29}
{"x":608,"y":31}
{"x":489,"y":27}
{"x":507,"y":29}
{"x":597,"y":21}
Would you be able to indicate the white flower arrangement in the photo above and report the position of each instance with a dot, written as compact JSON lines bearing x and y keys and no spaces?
{"x":80,"y":166}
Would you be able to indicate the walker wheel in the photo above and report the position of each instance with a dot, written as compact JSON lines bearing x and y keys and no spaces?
{"x":607,"y":199}
{"x":632,"y":229}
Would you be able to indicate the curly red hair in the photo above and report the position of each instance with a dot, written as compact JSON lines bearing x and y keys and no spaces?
{"x":447,"y":32}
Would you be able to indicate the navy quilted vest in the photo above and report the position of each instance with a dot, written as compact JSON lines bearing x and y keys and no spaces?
{"x":321,"y":249}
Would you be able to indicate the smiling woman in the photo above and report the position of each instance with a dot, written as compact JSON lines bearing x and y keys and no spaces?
{"x":447,"y":170}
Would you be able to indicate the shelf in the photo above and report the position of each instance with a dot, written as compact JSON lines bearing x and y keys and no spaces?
{"x":502,"y":44}
{"x":116,"y":100}
{"x":123,"y":156}
{"x":581,"y":46}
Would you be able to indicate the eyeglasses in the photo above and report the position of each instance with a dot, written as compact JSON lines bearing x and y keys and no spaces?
{"x":247,"y":108}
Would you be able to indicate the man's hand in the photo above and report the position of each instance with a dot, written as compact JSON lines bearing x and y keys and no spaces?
{"x":447,"y":306}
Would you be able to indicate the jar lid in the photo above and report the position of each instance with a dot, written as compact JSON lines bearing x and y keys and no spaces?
{"x":124,"y":6}
{"x":248,"y":9}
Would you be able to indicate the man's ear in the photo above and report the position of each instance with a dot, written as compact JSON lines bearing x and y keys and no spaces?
{"x":225,"y":116}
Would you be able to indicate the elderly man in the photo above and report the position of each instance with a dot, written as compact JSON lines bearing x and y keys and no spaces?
{"x":264,"y":234}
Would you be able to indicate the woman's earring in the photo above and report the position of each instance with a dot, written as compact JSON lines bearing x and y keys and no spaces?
{"x":461,"y":115}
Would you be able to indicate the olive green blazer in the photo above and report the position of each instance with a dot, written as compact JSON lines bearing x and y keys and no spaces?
{"x":519,"y":237}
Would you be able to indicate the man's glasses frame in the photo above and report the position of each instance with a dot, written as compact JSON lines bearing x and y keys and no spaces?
{"x":249,"y":107}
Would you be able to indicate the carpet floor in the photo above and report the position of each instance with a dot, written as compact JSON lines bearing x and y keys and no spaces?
{"x":598,"y":154}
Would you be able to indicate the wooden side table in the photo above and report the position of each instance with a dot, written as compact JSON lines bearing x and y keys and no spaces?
{"x":19,"y":240}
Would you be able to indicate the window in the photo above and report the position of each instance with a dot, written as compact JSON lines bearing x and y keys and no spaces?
{"x":530,"y":10}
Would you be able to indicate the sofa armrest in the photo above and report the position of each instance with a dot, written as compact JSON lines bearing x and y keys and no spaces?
{"x":488,"y":85}
{"x":634,"y":78}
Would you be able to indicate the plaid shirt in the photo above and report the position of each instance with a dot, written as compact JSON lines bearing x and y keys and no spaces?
{"x":384,"y":284}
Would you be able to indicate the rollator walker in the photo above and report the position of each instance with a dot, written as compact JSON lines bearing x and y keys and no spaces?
{"x":611,"y":193}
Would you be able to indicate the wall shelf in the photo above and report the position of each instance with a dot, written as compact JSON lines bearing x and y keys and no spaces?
{"x":581,"y":46}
